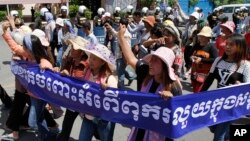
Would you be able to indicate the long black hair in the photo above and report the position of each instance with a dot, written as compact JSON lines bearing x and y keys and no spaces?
{"x":241,"y":51}
{"x":39,"y":51}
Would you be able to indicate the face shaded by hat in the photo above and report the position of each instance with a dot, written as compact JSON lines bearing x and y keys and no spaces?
{"x":167,"y":56}
{"x":103,"y":53}
{"x":229,"y":25}
{"x":172,"y":29}
{"x":206,"y":31}
{"x":150,"y":20}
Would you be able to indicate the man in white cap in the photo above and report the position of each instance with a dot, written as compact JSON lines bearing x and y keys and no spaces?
{"x":14,"y":13}
{"x":144,"y":11}
{"x":190,"y":27}
{"x":158,"y":14}
{"x":117,"y":14}
{"x":80,"y":20}
{"x":212,"y":18}
{"x":98,"y":18}
{"x":130,"y":11}
{"x":237,"y":18}
{"x":40,"y":21}
{"x":64,"y":12}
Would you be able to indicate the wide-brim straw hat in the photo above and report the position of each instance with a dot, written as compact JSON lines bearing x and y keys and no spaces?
{"x":103,"y":53}
{"x":78,"y":43}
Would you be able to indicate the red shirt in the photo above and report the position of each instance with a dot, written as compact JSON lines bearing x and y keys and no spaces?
{"x":220,"y":44}
{"x":247,"y":36}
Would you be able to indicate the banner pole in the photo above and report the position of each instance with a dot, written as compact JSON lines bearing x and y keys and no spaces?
{"x":8,"y":9}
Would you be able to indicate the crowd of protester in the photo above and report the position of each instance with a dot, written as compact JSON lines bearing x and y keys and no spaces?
{"x":159,"y":57}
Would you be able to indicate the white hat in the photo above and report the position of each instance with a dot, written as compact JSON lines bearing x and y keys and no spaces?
{"x":158,"y":8}
{"x":117,"y":9}
{"x":64,"y":8}
{"x":237,"y":10}
{"x":196,"y":15}
{"x":42,"y":37}
{"x":220,"y":8}
{"x":130,"y":7}
{"x":81,"y":9}
{"x":100,"y":11}
{"x":242,"y":8}
{"x":205,"y":31}
{"x":60,"y":21}
{"x":144,"y":10}
{"x":107,"y":14}
{"x":14,"y":13}
{"x":196,"y":9}
{"x":43,"y":10}
{"x":168,"y":10}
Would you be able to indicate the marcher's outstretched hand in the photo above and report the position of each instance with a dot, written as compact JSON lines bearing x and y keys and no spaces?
{"x":5,"y":26}
{"x":45,"y":64}
{"x":11,"y":20}
{"x":65,"y":72}
{"x":166,"y":94}
{"x":122,"y":30}
{"x":56,"y":69}
{"x":104,"y":85}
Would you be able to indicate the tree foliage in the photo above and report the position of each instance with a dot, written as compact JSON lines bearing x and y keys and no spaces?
{"x":75,"y":2}
{"x":223,"y":2}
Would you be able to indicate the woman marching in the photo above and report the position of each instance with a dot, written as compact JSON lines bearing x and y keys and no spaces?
{"x":155,"y":75}
{"x":101,"y":66}
{"x":230,"y":69}
{"x":204,"y":54}
{"x":74,"y":65}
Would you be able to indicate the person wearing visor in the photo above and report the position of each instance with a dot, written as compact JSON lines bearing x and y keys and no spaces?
{"x":81,"y":19}
{"x":64,"y":12}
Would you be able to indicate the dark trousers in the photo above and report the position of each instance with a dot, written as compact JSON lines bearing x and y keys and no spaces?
{"x":67,"y":125}
{"x":16,"y":112}
{"x":6,"y":100}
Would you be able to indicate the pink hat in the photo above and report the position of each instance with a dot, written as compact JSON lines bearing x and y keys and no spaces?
{"x":42,"y":37}
{"x":167,"y":56}
{"x":229,"y":25}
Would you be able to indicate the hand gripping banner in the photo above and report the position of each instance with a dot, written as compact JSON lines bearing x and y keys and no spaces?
{"x":173,"y":118}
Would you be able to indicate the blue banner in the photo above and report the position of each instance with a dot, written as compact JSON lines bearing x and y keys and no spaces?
{"x":173,"y":118}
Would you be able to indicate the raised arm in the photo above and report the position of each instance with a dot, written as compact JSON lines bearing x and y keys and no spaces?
{"x":15,"y":48}
{"x":126,"y":48}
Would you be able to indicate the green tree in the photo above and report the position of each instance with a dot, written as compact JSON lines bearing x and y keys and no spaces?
{"x":191,"y":2}
{"x":222,"y":2}
{"x":75,"y":2}
{"x":73,"y":9}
